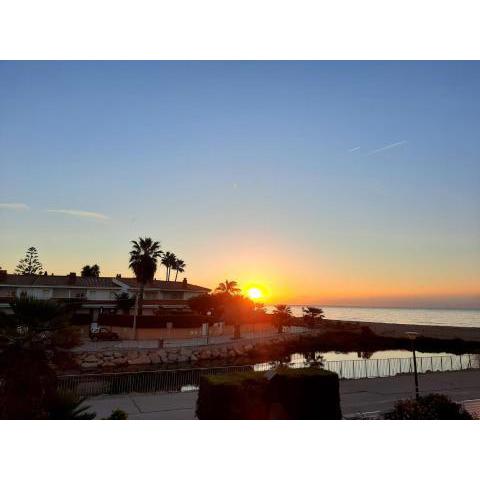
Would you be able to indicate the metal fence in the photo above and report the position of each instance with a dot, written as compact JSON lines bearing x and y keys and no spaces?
{"x":183,"y":380}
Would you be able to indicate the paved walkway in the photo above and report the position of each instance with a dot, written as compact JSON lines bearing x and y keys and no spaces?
{"x":366,"y":395}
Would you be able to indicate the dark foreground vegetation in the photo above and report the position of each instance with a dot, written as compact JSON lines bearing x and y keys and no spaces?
{"x":290,"y":394}
{"x":429,"y":407}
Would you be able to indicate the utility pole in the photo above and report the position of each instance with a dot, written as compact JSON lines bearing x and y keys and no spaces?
{"x":413,"y":336}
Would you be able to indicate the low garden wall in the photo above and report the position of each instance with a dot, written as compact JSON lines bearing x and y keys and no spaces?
{"x":109,"y":359}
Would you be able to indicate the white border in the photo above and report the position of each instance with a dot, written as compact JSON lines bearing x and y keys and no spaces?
{"x":246,"y":29}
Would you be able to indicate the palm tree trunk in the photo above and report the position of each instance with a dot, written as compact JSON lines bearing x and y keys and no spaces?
{"x":176,"y":275}
{"x":140,"y":299}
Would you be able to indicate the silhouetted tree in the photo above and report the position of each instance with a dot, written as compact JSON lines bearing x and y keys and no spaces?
{"x":203,"y":304}
{"x":281,"y":316}
{"x":30,"y":264}
{"x":125,"y":302}
{"x":36,"y":335}
{"x":91,"y":271}
{"x":168,"y":261}
{"x":179,"y":267}
{"x":67,"y":406}
{"x":311,"y":315}
{"x":235,"y":309}
{"x":228,"y":287}
{"x":143,"y":261}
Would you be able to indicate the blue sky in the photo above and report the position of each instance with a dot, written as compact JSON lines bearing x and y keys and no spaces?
{"x":333,"y":182}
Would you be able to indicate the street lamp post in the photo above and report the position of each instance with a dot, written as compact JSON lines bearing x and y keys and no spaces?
{"x":412,"y":336}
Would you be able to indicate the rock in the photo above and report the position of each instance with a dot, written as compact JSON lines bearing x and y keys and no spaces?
{"x":185,"y":352}
{"x":120,"y":361}
{"x":238,"y":350}
{"x":205,"y":355}
{"x":89,"y":365}
{"x":155,"y":358}
{"x":248,"y":347}
{"x":136,"y":361}
{"x":108,"y":364}
{"x":182,"y":358}
{"x":117,"y":355}
{"x":90,"y":358}
{"x":163,"y":356}
{"x":172,"y":357}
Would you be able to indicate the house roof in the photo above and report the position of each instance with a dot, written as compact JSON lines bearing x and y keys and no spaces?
{"x":93,"y":282}
{"x":163,"y":285}
{"x":57,"y":281}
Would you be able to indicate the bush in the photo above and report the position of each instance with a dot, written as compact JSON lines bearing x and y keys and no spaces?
{"x":429,"y":407}
{"x":306,"y":394}
{"x":237,"y":396}
{"x":296,"y":394}
{"x":118,"y":414}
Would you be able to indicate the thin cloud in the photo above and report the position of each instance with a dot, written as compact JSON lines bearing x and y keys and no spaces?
{"x":80,"y":213}
{"x":14,"y":206}
{"x":386,"y":147}
{"x":354,"y":149}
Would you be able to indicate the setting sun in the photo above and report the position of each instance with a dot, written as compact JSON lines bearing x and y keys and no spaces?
{"x":254,"y":293}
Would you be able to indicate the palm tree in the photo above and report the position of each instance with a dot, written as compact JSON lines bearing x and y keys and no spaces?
{"x":179,"y":267}
{"x":143,"y":262}
{"x":124,"y":302}
{"x":67,"y":406}
{"x":312,"y":314}
{"x":281,"y":314}
{"x":228,"y":287}
{"x":168,"y":260}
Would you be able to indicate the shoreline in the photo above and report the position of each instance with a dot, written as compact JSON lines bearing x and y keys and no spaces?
{"x":333,"y":335}
{"x":399,"y":330}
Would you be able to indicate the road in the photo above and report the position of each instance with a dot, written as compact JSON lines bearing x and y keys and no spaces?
{"x":357,"y":396}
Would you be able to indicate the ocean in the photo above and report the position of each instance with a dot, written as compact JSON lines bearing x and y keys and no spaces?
{"x":418,"y":316}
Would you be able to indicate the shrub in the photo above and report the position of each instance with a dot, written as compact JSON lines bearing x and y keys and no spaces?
{"x":236,"y":396}
{"x":308,"y":393}
{"x":118,"y":414}
{"x":429,"y":407}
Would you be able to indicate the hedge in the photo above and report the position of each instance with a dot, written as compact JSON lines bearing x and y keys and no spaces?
{"x":296,"y":394}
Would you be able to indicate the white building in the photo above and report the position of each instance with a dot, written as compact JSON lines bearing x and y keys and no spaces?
{"x":96,"y":294}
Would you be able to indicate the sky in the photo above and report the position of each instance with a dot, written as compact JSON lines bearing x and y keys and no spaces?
{"x":335,"y":183}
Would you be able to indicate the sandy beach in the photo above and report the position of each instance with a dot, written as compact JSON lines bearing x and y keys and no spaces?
{"x":400,"y":330}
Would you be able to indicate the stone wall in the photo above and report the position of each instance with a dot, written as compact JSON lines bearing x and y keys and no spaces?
{"x":183,"y":355}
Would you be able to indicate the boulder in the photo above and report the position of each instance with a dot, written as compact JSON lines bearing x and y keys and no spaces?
{"x":120,"y":361}
{"x":155,"y":358}
{"x":87,"y":365}
{"x":90,"y":358}
{"x":137,"y":361}
{"x":172,"y":357}
{"x":239,"y":350}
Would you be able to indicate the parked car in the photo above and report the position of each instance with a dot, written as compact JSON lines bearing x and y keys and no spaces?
{"x":103,"y":333}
